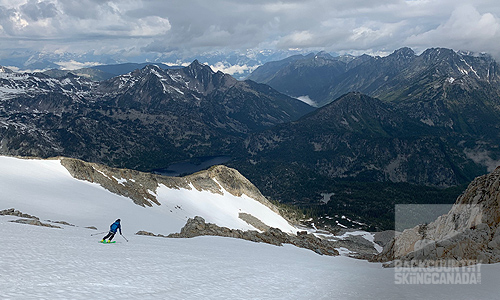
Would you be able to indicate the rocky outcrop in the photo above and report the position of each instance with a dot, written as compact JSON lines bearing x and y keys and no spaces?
{"x":141,"y":187}
{"x":128,"y":183}
{"x":35,"y":222}
{"x":28,"y":219}
{"x":61,"y":222}
{"x":470,"y":231}
{"x":274,"y":236}
{"x":143,"y":232}
{"x":219,"y":178}
{"x":255,"y":222}
{"x":14,"y":212}
{"x":382,"y":238}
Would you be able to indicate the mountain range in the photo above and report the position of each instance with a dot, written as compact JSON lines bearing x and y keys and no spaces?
{"x":428,"y":119}
{"x":400,"y":128}
{"x":101,"y":65}
{"x":145,"y":119}
{"x":448,"y":95}
{"x":103,"y":72}
{"x":402,"y":75}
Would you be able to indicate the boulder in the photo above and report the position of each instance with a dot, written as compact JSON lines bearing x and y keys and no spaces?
{"x":197,"y":227}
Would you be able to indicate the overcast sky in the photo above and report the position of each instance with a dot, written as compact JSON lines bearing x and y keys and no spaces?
{"x":340,"y":26}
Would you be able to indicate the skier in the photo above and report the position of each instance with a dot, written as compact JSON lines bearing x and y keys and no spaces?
{"x":112,"y":231}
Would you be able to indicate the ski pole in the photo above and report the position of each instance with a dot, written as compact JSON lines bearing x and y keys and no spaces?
{"x":98,"y":233}
{"x":124,"y":237}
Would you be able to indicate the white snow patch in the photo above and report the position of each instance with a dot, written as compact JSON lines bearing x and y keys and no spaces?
{"x":470,"y":67}
{"x":120,"y":180}
{"x":364,"y":234}
{"x":155,"y":72}
{"x":339,"y":224}
{"x":102,"y":173}
{"x":177,"y":90}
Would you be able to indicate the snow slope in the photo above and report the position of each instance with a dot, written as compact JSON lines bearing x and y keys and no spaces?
{"x":68,"y":263}
{"x":44,"y":188}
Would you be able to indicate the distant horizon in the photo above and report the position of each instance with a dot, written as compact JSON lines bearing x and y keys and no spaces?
{"x":235,"y":35}
{"x":223,"y":66}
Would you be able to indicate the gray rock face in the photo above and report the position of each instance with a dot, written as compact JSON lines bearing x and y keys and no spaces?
{"x":255,"y":222}
{"x":470,"y":231}
{"x":35,"y":222}
{"x":14,"y":212}
{"x":384,"y":237}
{"x":274,"y":236}
{"x":141,"y":187}
{"x":29,"y":219}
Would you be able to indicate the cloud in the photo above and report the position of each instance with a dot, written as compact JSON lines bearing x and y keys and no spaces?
{"x":73,"y":65}
{"x":64,"y":22}
{"x":150,"y":26}
{"x":232,"y":69}
{"x":196,"y":26}
{"x":308,"y":100}
{"x":466,"y":29}
{"x":35,"y":10}
{"x":482,"y":157}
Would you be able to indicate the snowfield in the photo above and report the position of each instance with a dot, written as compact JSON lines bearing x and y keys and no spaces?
{"x":69,"y":263}
{"x":48,"y":263}
{"x":44,"y":188}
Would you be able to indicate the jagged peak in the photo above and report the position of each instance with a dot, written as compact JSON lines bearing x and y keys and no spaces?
{"x":433,"y":53}
{"x":405,"y":51}
{"x":152,"y":67}
{"x":197,"y":66}
{"x":5,"y":70}
{"x":146,"y":70}
{"x":351,"y":102}
{"x":323,"y":54}
{"x":404,"y":54}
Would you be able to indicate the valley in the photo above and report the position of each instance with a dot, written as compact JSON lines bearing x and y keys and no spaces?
{"x":402,"y":130}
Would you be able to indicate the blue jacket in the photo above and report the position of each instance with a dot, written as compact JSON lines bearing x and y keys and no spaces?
{"x":115,"y":226}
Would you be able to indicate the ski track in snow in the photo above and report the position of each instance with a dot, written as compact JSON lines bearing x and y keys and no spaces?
{"x":47,"y":263}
